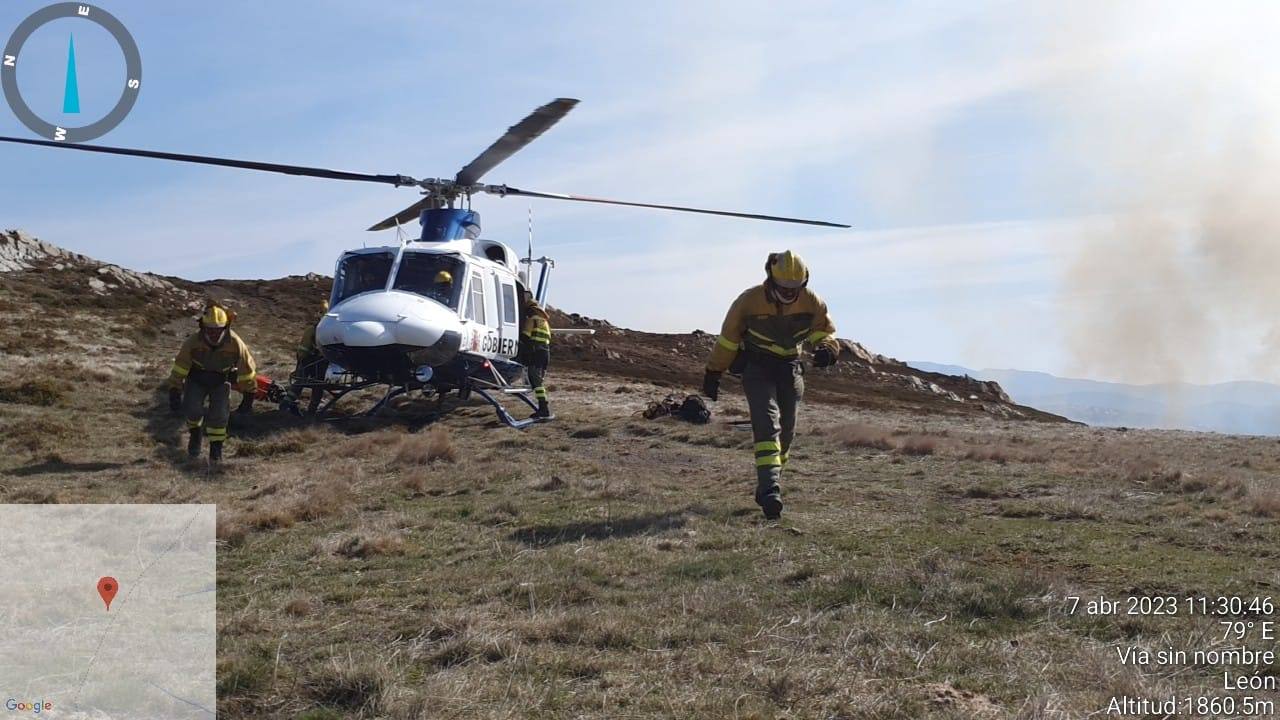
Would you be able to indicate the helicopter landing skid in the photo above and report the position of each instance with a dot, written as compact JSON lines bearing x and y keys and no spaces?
{"x":393,"y":392}
{"x":336,"y":392}
{"x":505,"y":416}
{"x":484,"y":387}
{"x":487,"y":385}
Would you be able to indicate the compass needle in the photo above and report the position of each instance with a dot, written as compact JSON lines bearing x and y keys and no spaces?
{"x":71,"y":96}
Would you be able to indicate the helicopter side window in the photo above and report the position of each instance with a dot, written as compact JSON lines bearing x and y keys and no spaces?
{"x":475,"y":305}
{"x":508,"y":304}
{"x":421,"y":273}
{"x":361,"y":273}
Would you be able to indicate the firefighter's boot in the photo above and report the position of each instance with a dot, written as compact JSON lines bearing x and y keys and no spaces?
{"x":769,"y":498}
{"x":314,"y":405}
{"x":544,"y":410}
{"x":193,"y":443}
{"x":215,"y":454}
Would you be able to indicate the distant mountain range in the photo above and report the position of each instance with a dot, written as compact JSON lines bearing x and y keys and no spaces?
{"x":1240,"y":408}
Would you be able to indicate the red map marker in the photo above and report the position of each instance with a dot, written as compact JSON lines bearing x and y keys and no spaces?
{"x":107,"y":588}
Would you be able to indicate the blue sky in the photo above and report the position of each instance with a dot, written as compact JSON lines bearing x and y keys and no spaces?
{"x":1083,"y":190}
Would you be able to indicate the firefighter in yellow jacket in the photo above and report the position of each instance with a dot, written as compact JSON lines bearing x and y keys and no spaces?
{"x":311,"y":365}
{"x":210,"y":361}
{"x":765,"y":327}
{"x":535,"y":351}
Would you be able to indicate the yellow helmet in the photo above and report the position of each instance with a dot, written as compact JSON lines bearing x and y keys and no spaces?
{"x":215,"y":324}
{"x":444,"y":277}
{"x":215,"y":316}
{"x":324,"y":306}
{"x":787,"y":270}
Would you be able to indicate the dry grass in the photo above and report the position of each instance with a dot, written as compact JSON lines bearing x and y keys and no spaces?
{"x":284,"y":444}
{"x":1265,"y":502}
{"x":351,"y":685}
{"x":365,"y":545}
{"x":423,"y":448}
{"x":38,"y":434}
{"x":299,"y":607}
{"x":901,"y":441}
{"x":857,"y":435}
{"x":918,"y":445}
{"x":416,"y":481}
{"x":327,"y":497}
{"x":35,"y":496}
{"x":996,"y":455}
{"x":231,"y":530}
{"x":40,"y":391}
{"x":590,"y":432}
{"x":316,"y":501}
{"x":472,"y":572}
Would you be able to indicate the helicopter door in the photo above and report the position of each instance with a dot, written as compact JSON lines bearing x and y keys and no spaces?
{"x":509,"y":331}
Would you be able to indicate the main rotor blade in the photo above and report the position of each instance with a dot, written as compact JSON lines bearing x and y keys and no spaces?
{"x":396,"y":180}
{"x":506,"y":190}
{"x":516,"y":137}
{"x":404,"y":216}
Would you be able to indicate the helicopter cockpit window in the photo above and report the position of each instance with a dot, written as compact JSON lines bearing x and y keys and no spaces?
{"x":361,"y":273}
{"x":432,"y":275}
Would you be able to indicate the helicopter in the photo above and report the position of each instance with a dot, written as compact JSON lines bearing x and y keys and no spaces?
{"x":392,"y":321}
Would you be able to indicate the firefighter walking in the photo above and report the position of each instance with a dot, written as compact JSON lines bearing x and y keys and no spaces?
{"x":209,"y":362}
{"x":762,"y":334}
{"x":535,"y":351}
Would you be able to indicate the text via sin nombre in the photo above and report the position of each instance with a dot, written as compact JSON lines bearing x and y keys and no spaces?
{"x":1228,"y":657}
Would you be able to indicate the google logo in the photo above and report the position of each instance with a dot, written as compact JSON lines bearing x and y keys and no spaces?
{"x":36,"y":707}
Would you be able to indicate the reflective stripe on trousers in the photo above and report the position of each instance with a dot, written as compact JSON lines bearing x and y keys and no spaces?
{"x":773,"y":390}
{"x":537,"y":375}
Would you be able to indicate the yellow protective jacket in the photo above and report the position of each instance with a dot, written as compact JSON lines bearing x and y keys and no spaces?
{"x":757,"y":324}
{"x":537,"y":324}
{"x":231,"y":357}
{"x":307,"y":345}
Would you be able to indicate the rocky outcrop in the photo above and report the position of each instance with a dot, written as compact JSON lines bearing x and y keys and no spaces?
{"x":20,"y":251}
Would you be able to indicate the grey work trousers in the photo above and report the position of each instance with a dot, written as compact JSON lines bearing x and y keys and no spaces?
{"x":215,"y":418}
{"x":773,"y":389}
{"x":536,"y":362}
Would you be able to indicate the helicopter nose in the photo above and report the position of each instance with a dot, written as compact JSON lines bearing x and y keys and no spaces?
{"x":368,"y":333}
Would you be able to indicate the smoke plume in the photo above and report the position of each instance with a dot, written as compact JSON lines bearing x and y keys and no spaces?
{"x":1173,"y":129}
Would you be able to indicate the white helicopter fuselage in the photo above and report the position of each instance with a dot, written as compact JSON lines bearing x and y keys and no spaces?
{"x":391,"y":318}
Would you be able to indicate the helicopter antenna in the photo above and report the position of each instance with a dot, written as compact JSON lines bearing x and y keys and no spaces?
{"x":530,"y":255}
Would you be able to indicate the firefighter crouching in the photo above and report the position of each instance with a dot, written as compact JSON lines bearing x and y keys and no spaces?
{"x":766,"y":325}
{"x":535,"y":351}
{"x":311,"y":365}
{"x":209,"y":362}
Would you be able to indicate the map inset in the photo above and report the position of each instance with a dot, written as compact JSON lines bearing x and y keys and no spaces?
{"x":108,"y":611}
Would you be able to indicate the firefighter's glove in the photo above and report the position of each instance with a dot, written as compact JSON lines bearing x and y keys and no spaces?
{"x":711,"y":385}
{"x":824,"y":357}
{"x":246,"y":404}
{"x":175,"y":399}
